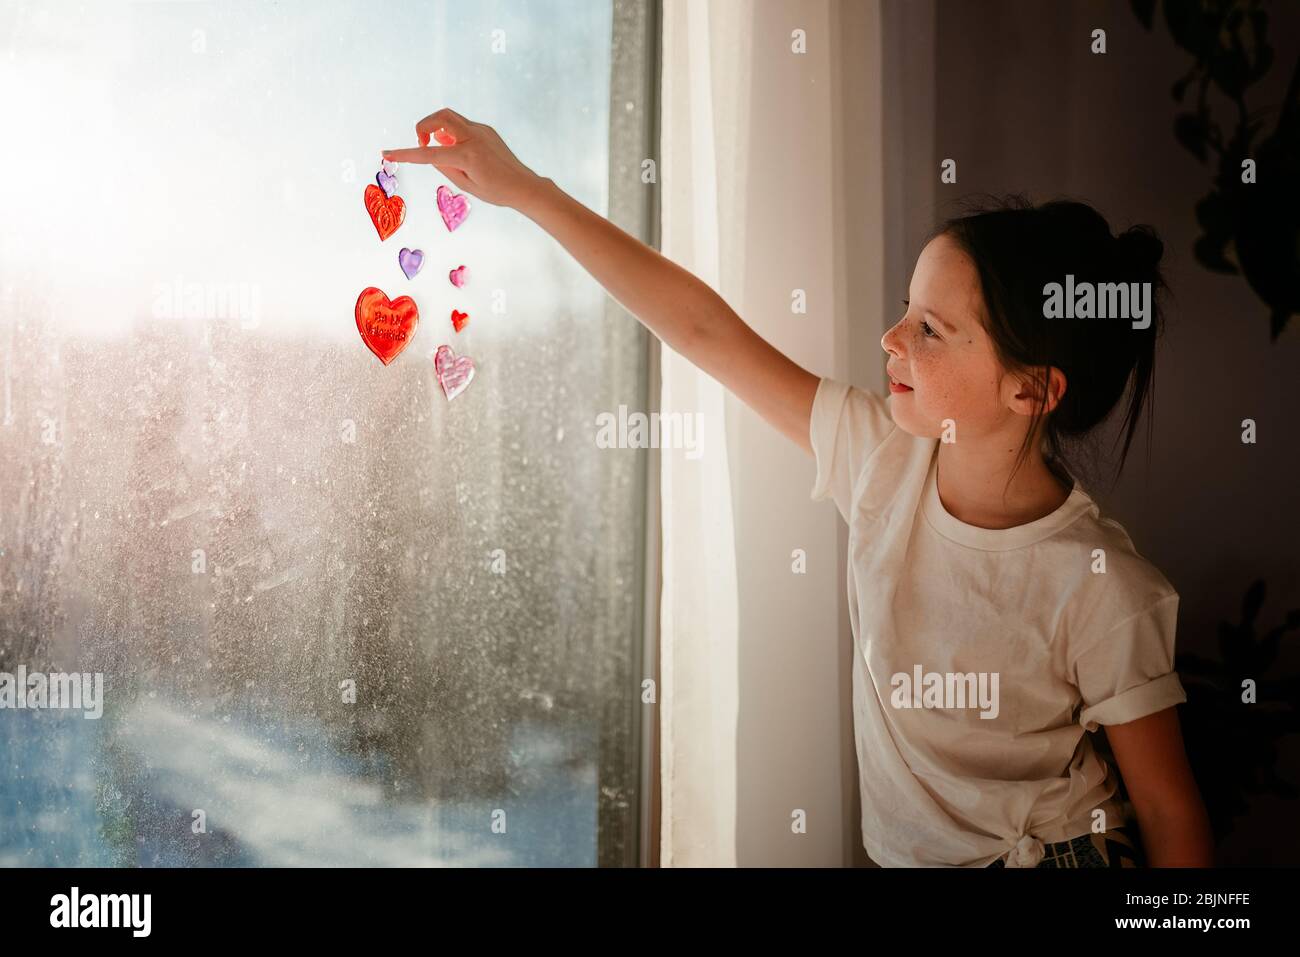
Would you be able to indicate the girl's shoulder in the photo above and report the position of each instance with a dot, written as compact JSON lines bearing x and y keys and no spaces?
{"x":1112,"y":581}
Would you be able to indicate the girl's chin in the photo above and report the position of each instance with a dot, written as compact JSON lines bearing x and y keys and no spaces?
{"x":908,"y":424}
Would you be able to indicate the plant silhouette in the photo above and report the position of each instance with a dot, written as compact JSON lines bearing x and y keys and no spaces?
{"x":1233,"y":743}
{"x":1247,"y":227}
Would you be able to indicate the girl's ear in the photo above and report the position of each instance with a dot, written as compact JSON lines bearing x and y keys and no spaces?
{"x":1056,"y":388}
{"x":1041,"y":385}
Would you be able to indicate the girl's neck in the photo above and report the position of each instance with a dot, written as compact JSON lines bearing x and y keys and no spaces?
{"x":973,"y":487}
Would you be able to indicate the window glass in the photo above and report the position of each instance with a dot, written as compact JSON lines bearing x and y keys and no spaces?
{"x":340,"y":619}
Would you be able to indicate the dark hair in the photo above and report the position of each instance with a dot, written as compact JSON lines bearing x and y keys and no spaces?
{"x":1019,"y":248}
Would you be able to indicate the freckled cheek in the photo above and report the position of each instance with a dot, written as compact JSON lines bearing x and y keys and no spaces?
{"x":929,"y":372}
{"x":934,"y":383}
{"x":951,"y":390}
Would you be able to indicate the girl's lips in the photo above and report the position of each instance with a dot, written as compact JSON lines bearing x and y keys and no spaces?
{"x":898,"y":387}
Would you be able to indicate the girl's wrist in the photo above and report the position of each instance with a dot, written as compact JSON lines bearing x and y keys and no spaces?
{"x":539,"y":191}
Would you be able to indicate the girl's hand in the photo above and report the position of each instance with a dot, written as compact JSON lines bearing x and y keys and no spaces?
{"x":474,"y":158}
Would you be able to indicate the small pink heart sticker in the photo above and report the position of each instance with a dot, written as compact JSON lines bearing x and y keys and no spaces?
{"x":459,"y":276}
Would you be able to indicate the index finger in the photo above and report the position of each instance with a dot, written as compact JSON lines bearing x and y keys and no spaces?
{"x":447,"y":119}
{"x":434,"y":155}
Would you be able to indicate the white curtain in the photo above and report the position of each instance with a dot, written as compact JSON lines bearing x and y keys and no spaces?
{"x":707,"y":65}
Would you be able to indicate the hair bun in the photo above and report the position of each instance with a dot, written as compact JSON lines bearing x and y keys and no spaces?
{"x":1139,"y":248}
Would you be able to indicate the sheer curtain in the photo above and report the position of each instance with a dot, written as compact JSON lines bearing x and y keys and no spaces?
{"x":707,"y":65}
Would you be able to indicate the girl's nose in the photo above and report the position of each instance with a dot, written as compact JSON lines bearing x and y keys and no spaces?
{"x":889,"y":341}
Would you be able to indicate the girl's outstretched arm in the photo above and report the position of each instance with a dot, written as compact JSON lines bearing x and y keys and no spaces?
{"x":682,"y":310}
{"x":1175,"y":827}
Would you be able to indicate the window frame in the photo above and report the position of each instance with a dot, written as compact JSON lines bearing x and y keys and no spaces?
{"x":635,"y":76}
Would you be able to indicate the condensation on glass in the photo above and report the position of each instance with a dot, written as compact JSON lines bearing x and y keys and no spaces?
{"x":237,"y":518}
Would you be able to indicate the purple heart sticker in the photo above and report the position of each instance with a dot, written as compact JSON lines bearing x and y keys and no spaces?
{"x":410,"y":260}
{"x":386,"y":182}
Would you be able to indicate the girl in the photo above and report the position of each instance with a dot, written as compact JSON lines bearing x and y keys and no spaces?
{"x":996,"y":615}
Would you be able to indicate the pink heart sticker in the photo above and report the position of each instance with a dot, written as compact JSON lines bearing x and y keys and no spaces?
{"x":454,"y":372}
{"x":454,"y":207}
{"x":459,"y":276}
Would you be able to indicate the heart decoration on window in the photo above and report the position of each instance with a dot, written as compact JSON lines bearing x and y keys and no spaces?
{"x":386,"y":326}
{"x":410,"y":260}
{"x":386,"y":212}
{"x":454,"y":372}
{"x":454,"y":207}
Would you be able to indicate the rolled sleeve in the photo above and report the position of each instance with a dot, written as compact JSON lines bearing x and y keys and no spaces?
{"x":1128,"y":674}
{"x":846,"y":426}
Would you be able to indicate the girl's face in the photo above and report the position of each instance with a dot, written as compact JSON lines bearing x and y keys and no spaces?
{"x":940,"y":349}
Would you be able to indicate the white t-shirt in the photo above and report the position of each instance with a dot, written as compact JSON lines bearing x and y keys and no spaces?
{"x":952,"y":622}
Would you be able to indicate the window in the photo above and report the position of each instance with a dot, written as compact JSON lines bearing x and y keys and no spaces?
{"x":214,"y":495}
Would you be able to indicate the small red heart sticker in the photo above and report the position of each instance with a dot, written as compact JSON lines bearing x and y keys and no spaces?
{"x":386,"y":327}
{"x":459,"y":319}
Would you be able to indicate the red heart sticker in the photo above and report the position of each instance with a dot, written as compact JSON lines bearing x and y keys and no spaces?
{"x":458,"y":319}
{"x":386,"y":327}
{"x":386,"y":212}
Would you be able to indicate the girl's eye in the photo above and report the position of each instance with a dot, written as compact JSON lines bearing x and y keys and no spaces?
{"x":927,"y":329}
